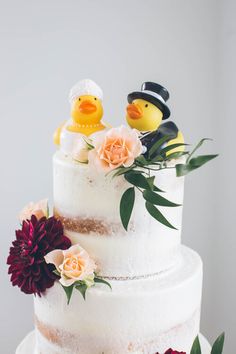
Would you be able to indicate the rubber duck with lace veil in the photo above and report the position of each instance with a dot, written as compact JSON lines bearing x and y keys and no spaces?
{"x":146,"y":110}
{"x":86,"y":114}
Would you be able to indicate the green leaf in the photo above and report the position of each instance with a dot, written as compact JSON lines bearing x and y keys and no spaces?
{"x":82,"y":289}
{"x":68,"y":290}
{"x":156,"y":214}
{"x":197,"y":147}
{"x":170,"y":147}
{"x":156,"y":159}
{"x":183,"y":169}
{"x":122,"y":170}
{"x":157,"y":199}
{"x":102,"y":281}
{"x":176,"y":155}
{"x":196,"y":348}
{"x":150,"y":181}
{"x":157,"y":145}
{"x":193,"y":164}
{"x":126,"y":206}
{"x":218,"y":345}
{"x":201,"y":160}
{"x":156,"y":189}
{"x":141,"y":160}
{"x":138,"y":180}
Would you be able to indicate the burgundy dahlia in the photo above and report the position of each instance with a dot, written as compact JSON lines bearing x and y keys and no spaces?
{"x":27,"y":266}
{"x":171,"y":351}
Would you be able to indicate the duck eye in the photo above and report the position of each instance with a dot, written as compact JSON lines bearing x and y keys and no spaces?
{"x":146,"y":105}
{"x":79,"y":99}
{"x":95,"y":98}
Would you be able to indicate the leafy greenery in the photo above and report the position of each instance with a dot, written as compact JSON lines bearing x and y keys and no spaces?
{"x":157,"y":199}
{"x":82,"y":286}
{"x":156,"y":214}
{"x":217,"y":347}
{"x":196,"y":348}
{"x":102,"y":281}
{"x":68,"y":290}
{"x":126,"y":206}
{"x":139,"y":175}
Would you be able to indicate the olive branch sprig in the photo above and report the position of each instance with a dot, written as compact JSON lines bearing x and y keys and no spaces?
{"x":139,"y":175}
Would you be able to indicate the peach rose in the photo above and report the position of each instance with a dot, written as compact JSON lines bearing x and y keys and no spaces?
{"x":73,"y":264}
{"x":38,"y":209}
{"x":115,"y":147}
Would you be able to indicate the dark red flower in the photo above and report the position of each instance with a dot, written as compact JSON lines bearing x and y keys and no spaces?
{"x":28,"y":269}
{"x":171,"y":351}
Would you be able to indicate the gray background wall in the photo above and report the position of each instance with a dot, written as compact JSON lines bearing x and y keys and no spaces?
{"x":187,"y":45}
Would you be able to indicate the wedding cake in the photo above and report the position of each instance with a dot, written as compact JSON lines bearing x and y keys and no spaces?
{"x":108,"y":270}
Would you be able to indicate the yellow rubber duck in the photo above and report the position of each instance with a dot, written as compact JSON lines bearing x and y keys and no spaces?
{"x":86,"y":110}
{"x":145,"y":112}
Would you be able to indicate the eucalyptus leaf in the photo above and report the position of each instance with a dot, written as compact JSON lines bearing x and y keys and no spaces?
{"x":197,"y":147}
{"x":196,"y":348}
{"x":157,"y":199}
{"x":157,"y":145}
{"x":68,"y":290}
{"x":218,"y":345}
{"x":156,"y":214}
{"x":138,"y":180}
{"x":102,"y":281}
{"x":82,"y":289}
{"x":126,"y":206}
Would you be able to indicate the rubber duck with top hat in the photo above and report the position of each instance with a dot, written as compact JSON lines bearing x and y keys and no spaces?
{"x":146,"y":111}
{"x":86,"y":113}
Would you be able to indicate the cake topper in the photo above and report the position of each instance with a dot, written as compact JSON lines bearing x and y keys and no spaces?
{"x":86,"y":112}
{"x":145,"y":112}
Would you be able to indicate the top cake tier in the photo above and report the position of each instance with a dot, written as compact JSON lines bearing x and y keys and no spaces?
{"x":87,"y":201}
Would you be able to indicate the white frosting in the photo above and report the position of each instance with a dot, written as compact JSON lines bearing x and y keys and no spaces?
{"x":137,"y":316}
{"x":147,"y":248}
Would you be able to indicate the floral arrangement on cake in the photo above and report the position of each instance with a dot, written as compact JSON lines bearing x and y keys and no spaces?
{"x":41,"y":254}
{"x":121,"y":151}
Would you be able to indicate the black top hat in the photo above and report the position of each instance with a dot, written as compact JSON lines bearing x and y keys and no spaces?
{"x":153,"y":93}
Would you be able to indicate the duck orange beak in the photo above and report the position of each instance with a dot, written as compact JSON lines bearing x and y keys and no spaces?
{"x":134,"y":111}
{"x":87,"y":107}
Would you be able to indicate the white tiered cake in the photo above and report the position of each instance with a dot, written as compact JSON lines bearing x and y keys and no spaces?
{"x":112,"y":225}
{"x":156,"y":282}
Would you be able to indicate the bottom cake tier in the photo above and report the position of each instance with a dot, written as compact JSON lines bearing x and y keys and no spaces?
{"x":138,"y":316}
